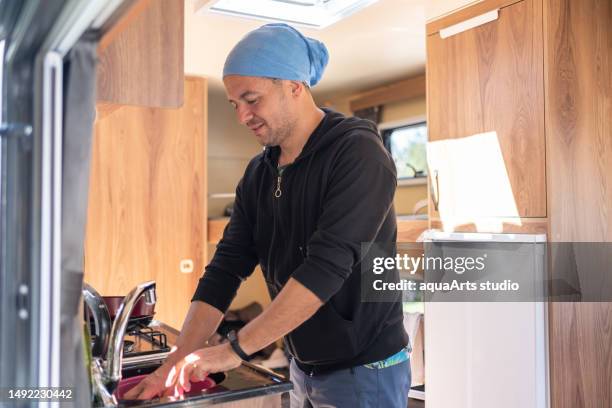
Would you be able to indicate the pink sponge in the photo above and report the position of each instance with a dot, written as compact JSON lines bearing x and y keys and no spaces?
{"x":128,"y":383}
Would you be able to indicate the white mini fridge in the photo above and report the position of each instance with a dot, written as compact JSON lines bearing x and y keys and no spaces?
{"x":482,"y":354}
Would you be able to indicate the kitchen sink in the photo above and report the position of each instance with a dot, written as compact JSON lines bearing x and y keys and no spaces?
{"x":245,"y":385}
{"x":133,"y":375}
{"x":242,"y":383}
{"x":140,"y":369}
{"x":148,"y":367}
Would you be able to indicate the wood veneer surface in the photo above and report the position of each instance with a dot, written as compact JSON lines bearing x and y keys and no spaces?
{"x":578,"y":46}
{"x":480,"y":7}
{"x":397,"y":91}
{"x":490,"y":78}
{"x":147,"y":201}
{"x":143,"y":64}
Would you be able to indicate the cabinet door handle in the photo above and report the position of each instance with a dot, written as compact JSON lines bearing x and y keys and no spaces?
{"x":435,"y":190}
{"x":469,"y":24}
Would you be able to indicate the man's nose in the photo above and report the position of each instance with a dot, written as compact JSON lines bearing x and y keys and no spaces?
{"x":244,"y":115}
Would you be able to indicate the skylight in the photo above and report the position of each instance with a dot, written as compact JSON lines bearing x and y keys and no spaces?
{"x":308,"y":13}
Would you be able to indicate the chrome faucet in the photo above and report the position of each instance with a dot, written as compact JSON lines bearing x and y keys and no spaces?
{"x":101,"y":317}
{"x":106,"y":374}
{"x":114,"y":354}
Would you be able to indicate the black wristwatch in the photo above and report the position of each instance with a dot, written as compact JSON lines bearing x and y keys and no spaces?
{"x":232,"y":337}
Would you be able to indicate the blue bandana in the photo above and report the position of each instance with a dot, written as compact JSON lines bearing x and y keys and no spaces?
{"x":278,"y":51}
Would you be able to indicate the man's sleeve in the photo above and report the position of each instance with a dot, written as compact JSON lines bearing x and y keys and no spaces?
{"x":359,"y":196}
{"x":234,"y":260}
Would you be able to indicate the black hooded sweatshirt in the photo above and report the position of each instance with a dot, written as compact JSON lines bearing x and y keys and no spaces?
{"x":309,"y":224}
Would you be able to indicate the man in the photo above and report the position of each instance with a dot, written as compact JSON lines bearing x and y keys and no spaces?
{"x":323,"y":185}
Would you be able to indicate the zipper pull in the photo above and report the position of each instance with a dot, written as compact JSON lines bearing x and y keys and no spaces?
{"x":278,"y":191}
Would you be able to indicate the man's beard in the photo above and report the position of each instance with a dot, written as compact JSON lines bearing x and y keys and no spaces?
{"x":278,"y":135}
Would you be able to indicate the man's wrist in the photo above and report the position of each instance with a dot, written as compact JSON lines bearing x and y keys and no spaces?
{"x":172,"y":359}
{"x":234,"y":343}
{"x":163,"y":370}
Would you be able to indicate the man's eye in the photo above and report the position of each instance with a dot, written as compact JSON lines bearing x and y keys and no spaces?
{"x":252,"y":101}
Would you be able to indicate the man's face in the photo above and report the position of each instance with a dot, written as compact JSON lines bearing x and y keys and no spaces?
{"x":263,"y":105}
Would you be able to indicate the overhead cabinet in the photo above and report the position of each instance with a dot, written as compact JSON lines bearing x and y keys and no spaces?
{"x":485,"y":113}
{"x":438,"y":8}
{"x":141,"y":57}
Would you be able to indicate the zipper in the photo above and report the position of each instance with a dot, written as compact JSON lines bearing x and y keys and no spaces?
{"x":278,"y":192}
{"x":277,"y":225}
{"x":276,"y":203}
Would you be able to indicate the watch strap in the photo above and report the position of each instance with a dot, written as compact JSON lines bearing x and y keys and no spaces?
{"x":232,"y":336}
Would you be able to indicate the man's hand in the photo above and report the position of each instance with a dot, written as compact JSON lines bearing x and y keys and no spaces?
{"x":194,"y":367}
{"x":151,"y":386}
{"x":294,"y":305}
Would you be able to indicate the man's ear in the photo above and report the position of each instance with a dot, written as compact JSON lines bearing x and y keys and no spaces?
{"x":296,"y":88}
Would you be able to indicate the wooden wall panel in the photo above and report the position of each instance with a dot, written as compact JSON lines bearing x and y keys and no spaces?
{"x":578,"y":48}
{"x":490,"y":78}
{"x":413,"y":87}
{"x":141,"y":60}
{"x":147,"y":201}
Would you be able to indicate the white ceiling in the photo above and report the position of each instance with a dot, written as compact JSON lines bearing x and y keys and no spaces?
{"x":382,"y":43}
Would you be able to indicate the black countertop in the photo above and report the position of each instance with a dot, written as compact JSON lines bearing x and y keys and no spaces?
{"x":246,"y":381}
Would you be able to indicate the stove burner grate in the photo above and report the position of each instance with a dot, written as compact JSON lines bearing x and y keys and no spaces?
{"x":157,"y":339}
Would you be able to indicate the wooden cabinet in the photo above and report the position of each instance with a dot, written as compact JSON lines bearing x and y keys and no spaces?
{"x":147,"y":202}
{"x":539,"y":76}
{"x":578,"y":44}
{"x":141,"y":57}
{"x":488,"y":81}
{"x":437,"y":8}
